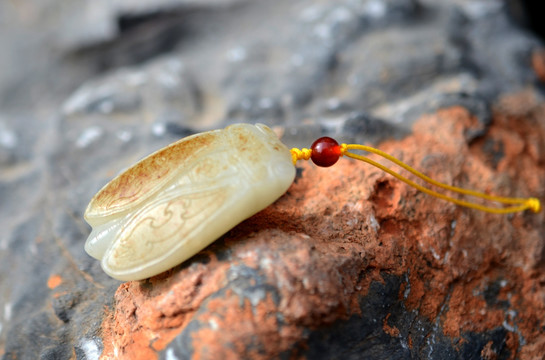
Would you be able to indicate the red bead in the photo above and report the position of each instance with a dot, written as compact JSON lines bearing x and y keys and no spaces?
{"x":325,"y":151}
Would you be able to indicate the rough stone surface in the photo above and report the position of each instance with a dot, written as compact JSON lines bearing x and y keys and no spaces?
{"x":349,"y":263}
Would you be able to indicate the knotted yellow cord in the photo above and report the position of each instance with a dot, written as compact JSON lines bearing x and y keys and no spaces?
{"x":521,"y":204}
{"x":303,"y":154}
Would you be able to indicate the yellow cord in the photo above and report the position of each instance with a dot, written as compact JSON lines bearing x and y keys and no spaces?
{"x":521,"y":204}
{"x":303,"y":154}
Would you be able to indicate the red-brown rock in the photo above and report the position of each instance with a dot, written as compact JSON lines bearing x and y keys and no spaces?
{"x":308,"y":262}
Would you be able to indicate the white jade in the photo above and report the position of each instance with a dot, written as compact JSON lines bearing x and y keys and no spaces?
{"x":178,"y":200}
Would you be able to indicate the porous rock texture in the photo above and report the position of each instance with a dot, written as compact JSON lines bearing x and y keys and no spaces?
{"x":349,"y":263}
{"x":353,"y":264}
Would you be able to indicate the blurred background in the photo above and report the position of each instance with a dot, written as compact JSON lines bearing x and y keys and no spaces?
{"x":180,"y":66}
{"x":51,"y":47}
